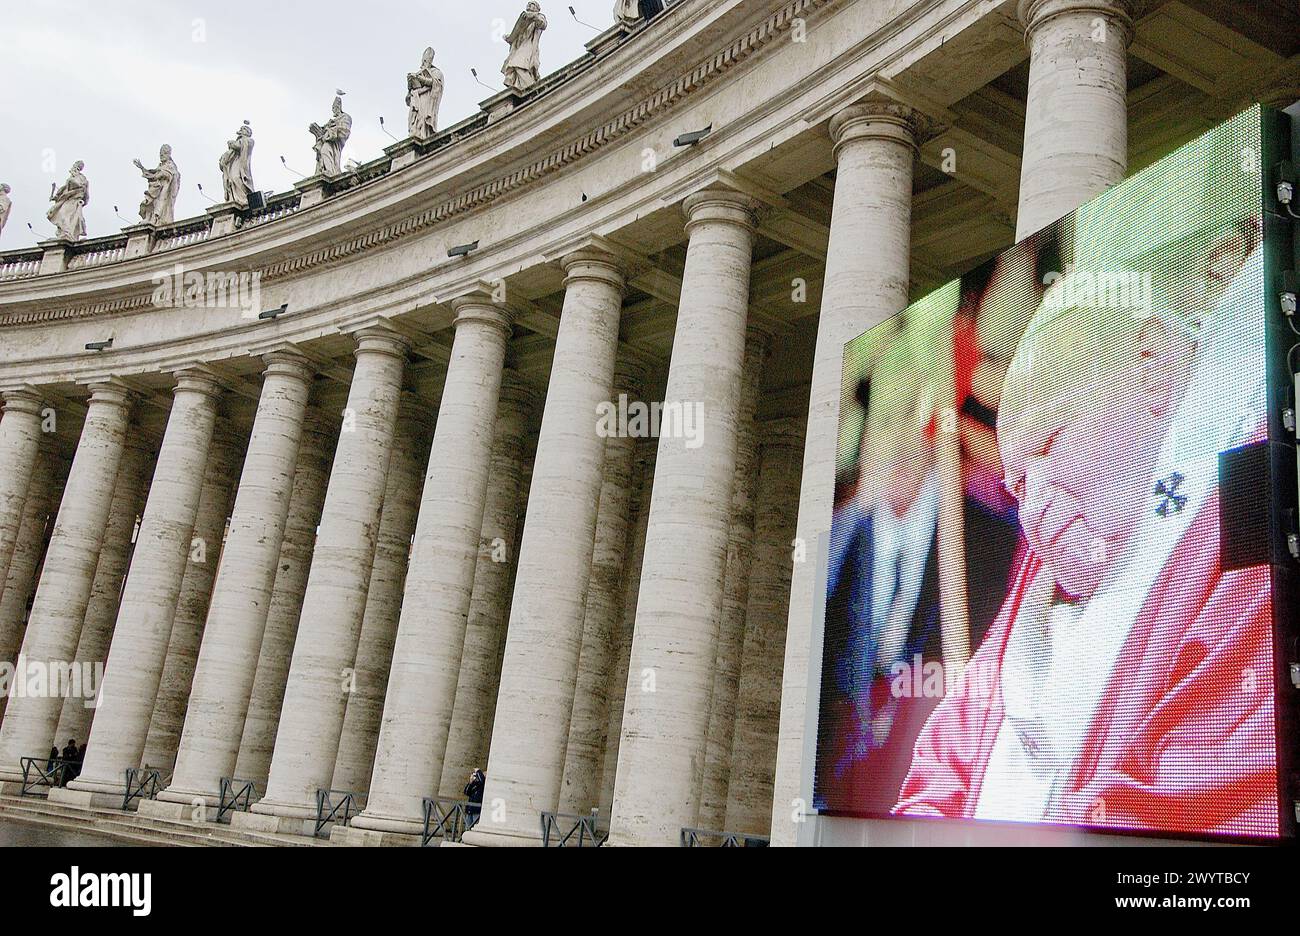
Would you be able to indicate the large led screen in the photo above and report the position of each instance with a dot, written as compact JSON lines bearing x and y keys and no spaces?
{"x":1051,"y":594}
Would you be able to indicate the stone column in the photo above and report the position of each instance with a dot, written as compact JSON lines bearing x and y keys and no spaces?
{"x":758,"y":700}
{"x":1076,"y":113}
{"x":311,"y":719}
{"x":223,"y":676}
{"x":674,"y":645}
{"x":544,"y":636}
{"x":315,"y":456}
{"x":21,"y":580}
{"x":583,"y":757}
{"x":489,"y":607}
{"x":192,"y":606}
{"x":106,"y":593}
{"x":735,"y":589}
{"x":365,"y":702}
{"x":20,"y":441}
{"x":139,"y":647}
{"x":25,"y":568}
{"x":431,"y":629}
{"x":867,"y":269}
{"x":67,"y":576}
{"x":622,"y":638}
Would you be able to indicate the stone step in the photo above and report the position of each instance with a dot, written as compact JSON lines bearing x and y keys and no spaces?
{"x":153,"y":829}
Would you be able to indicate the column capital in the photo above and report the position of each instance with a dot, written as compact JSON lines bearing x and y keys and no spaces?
{"x":599,"y":251}
{"x":110,"y":390}
{"x":721,"y":205}
{"x":22,"y":399}
{"x":878,"y":119}
{"x":379,"y":338}
{"x":288,"y":362}
{"x":478,"y":305}
{"x":1122,"y":13}
{"x":197,"y":378}
{"x":592,"y":264}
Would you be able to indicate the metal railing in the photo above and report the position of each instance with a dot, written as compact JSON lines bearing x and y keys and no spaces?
{"x":336,"y":806}
{"x":447,"y":819}
{"x":571,"y":830}
{"x":141,"y":783}
{"x":235,"y":795}
{"x":46,"y":772}
{"x":702,"y":838}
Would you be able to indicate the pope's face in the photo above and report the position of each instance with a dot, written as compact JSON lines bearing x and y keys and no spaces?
{"x":1079,"y":432}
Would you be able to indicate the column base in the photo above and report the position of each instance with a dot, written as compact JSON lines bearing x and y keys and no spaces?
{"x":193,"y":811}
{"x":482,"y":837}
{"x":193,"y":799}
{"x":390,"y":825}
{"x":86,"y":799}
{"x":285,"y":810}
{"x":350,"y":837}
{"x":278,"y":825}
{"x":14,"y":788}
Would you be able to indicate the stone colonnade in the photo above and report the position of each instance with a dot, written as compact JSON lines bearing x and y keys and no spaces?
{"x":375,"y":605}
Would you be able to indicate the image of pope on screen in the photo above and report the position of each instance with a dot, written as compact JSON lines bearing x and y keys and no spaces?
{"x":1039,"y":607}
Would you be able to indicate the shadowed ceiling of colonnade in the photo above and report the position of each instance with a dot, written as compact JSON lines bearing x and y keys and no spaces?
{"x":108,"y":82}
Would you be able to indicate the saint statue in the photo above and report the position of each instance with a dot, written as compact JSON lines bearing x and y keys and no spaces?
{"x":522,"y":66}
{"x":423,"y":97}
{"x":631,"y":12}
{"x":72,"y":196}
{"x":6,"y":205}
{"x":236,"y":165}
{"x":330,"y":140}
{"x":159,"y":203}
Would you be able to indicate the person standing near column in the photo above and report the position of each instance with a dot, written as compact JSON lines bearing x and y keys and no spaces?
{"x":489,"y":607}
{"x":431,"y":630}
{"x":583,"y":758}
{"x":674,"y":644}
{"x":544,"y":636}
{"x":67,"y":576}
{"x":106,"y":594}
{"x":149,"y":598}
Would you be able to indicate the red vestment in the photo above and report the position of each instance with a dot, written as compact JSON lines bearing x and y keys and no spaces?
{"x":1183,"y":735}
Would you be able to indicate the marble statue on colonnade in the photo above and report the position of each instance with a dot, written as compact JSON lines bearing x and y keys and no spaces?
{"x":159,"y":203}
{"x":6,"y":205}
{"x":69,"y":199}
{"x":631,"y":12}
{"x":236,"y":165}
{"x":331,"y":138}
{"x":424,"y":97}
{"x":522,"y":68}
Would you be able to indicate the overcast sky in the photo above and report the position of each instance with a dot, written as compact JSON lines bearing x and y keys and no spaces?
{"x":108,"y":81}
